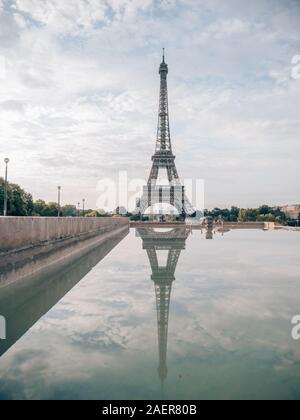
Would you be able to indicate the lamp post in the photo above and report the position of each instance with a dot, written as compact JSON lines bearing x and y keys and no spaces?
{"x":6,"y":161}
{"x":58,"y":200}
{"x":83,"y":202}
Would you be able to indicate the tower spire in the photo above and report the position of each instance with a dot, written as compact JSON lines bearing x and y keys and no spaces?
{"x":163,"y":140}
{"x":174,"y":192}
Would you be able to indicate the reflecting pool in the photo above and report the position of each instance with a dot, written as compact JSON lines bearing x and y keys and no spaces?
{"x":158,"y":314}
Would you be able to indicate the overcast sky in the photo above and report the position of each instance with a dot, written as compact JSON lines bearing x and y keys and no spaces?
{"x":79,"y":94}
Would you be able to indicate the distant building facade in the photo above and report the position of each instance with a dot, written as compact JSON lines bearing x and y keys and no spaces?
{"x":291,"y":211}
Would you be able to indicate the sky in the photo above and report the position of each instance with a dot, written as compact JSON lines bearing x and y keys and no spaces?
{"x":79,"y":89}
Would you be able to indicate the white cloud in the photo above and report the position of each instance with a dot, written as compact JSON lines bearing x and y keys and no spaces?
{"x":64,"y":17}
{"x":77,"y":16}
{"x":81,"y":90}
{"x":227,"y":27}
{"x":128,"y":9}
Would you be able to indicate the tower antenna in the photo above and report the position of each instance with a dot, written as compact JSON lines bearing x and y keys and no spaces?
{"x":174,"y":192}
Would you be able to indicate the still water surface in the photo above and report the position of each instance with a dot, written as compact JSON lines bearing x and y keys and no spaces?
{"x":164,"y":315}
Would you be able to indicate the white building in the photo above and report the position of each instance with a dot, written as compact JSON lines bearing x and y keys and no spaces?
{"x":292,"y":211}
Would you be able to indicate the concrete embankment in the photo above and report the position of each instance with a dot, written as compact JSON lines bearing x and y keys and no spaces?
{"x":161,"y":225}
{"x":44,"y":280}
{"x":53,"y":243}
{"x":250,"y":225}
{"x":18,"y":233}
{"x":196,"y":224}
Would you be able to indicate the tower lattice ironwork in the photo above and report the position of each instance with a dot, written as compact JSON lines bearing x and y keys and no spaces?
{"x":163,"y":158}
{"x":163,"y":276}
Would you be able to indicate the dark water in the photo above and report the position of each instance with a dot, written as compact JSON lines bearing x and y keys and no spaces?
{"x":153,"y":320}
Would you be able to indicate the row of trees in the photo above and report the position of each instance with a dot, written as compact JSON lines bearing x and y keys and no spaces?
{"x":262,"y":214}
{"x":20,"y":203}
{"x":43,"y":209}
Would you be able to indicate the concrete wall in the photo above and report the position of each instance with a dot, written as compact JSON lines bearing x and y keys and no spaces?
{"x":244,"y":225}
{"x":23,"y":300}
{"x":22,"y":232}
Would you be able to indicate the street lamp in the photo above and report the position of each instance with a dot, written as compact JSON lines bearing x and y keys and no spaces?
{"x":6,"y":161}
{"x":83,"y":201}
{"x":58,"y":201}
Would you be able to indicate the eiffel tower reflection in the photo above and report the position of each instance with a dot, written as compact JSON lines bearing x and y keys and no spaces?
{"x":173,"y":241}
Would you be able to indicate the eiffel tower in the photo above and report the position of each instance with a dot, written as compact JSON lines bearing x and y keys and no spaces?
{"x":163,"y":158}
{"x":172,"y":241}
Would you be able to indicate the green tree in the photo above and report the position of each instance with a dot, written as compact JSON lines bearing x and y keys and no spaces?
{"x":234,"y":214}
{"x":248,"y":215}
{"x":43,"y":209}
{"x":39,"y":207}
{"x":266,"y":218}
{"x":19,"y":202}
{"x":93,"y":214}
{"x":264,"y":210}
{"x":69,"y":211}
{"x":51,"y":210}
{"x":242,"y":215}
